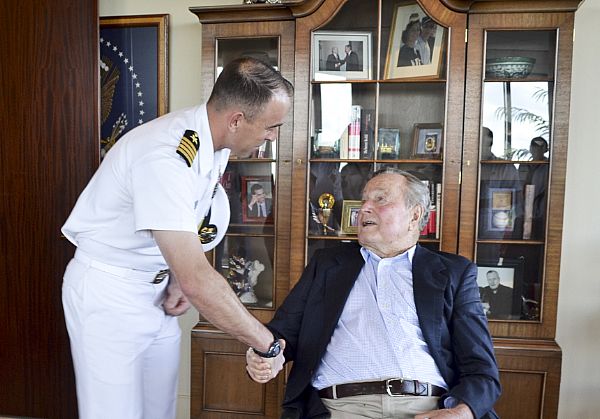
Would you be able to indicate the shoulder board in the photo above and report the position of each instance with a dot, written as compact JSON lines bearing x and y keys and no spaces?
{"x":188,"y":146}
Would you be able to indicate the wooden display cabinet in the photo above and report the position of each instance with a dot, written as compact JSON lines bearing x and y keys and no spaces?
{"x":500,"y":206}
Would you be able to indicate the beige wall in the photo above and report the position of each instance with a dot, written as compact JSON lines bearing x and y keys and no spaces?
{"x":578,"y":332}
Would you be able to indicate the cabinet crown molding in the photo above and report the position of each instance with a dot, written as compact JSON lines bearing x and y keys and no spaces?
{"x":293,"y":9}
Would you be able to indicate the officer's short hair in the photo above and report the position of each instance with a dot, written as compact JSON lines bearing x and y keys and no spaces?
{"x":249,"y":83}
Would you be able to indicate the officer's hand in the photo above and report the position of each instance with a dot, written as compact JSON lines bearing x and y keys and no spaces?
{"x":175,"y":303}
{"x":262,"y":369}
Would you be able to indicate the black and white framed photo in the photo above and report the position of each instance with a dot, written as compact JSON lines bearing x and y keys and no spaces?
{"x":500,"y":288}
{"x":341,"y":55}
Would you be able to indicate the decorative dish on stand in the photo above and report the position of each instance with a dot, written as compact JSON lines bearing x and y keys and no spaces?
{"x":508,"y":67}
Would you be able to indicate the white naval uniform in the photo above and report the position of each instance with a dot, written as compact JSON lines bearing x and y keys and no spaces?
{"x":125,"y":348}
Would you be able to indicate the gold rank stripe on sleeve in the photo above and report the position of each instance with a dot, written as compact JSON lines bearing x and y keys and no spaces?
{"x":188,"y":146}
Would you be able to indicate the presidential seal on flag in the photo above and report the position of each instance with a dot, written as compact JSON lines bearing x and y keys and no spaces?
{"x":132,"y":74}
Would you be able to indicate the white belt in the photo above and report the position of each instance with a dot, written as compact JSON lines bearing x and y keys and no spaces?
{"x":155,"y":277}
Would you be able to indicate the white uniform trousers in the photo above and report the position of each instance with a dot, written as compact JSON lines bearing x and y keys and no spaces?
{"x":125,"y":348}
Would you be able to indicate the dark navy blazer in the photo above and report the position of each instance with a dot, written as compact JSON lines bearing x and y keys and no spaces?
{"x":450,"y":315}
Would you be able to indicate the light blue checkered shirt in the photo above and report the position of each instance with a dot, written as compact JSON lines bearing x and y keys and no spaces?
{"x":378,"y":335}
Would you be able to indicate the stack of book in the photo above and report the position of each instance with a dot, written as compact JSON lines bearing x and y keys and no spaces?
{"x":357,"y":140}
{"x":432,"y":229}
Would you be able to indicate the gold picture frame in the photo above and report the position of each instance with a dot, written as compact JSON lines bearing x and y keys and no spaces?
{"x":402,"y":60}
{"x":350,"y":216}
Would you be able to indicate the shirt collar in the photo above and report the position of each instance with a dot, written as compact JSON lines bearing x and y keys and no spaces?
{"x":366,"y":254}
{"x":208,"y":158}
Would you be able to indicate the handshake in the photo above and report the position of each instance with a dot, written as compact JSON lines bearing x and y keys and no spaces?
{"x":262,"y":369}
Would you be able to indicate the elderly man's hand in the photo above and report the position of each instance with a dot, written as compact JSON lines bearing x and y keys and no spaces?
{"x":461,"y":411}
{"x":262,"y":369}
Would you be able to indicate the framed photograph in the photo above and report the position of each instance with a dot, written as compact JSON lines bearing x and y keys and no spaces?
{"x":500,"y":288}
{"x":500,"y":210}
{"x":257,"y":199}
{"x":388,"y":143}
{"x":133,"y":74}
{"x":428,"y":141}
{"x":350,"y":216}
{"x":416,"y":45}
{"x":341,"y":55}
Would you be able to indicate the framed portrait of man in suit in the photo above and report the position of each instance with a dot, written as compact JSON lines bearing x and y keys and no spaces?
{"x":257,"y":199}
{"x":500,"y":288}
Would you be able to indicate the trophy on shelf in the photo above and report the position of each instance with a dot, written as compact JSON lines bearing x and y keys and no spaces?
{"x":326,"y":201}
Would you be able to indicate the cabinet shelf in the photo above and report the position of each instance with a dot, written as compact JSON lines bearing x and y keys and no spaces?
{"x":247,"y":234}
{"x":519,"y":80}
{"x":342,"y":238}
{"x":511,"y":241}
{"x":387,"y":161}
{"x":251,"y":160}
{"x":382,"y":81}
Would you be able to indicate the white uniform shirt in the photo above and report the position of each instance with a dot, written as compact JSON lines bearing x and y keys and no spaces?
{"x":142,"y":185}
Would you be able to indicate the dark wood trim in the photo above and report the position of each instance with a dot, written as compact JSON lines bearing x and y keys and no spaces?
{"x":523,"y":6}
{"x":288,"y":10}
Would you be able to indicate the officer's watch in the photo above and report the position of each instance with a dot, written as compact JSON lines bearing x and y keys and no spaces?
{"x":272,"y":352}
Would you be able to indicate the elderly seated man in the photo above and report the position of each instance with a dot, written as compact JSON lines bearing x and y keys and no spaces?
{"x":387,"y":318}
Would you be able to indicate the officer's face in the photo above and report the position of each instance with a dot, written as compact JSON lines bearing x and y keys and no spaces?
{"x":264,"y":127}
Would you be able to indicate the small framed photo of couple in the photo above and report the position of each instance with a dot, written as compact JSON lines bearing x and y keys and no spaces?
{"x":427,"y":141}
{"x":341,"y":55}
{"x":350,"y":216}
{"x":257,"y":199}
{"x":416,"y":46}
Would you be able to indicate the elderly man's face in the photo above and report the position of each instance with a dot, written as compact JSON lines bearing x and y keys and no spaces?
{"x":385,"y":225}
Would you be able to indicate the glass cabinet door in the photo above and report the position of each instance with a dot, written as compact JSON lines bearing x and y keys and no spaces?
{"x":374,"y":104}
{"x":516,"y":131}
{"x":246,"y":256}
{"x":514,"y":171}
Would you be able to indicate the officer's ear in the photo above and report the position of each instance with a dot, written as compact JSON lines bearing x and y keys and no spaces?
{"x":235,"y":120}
